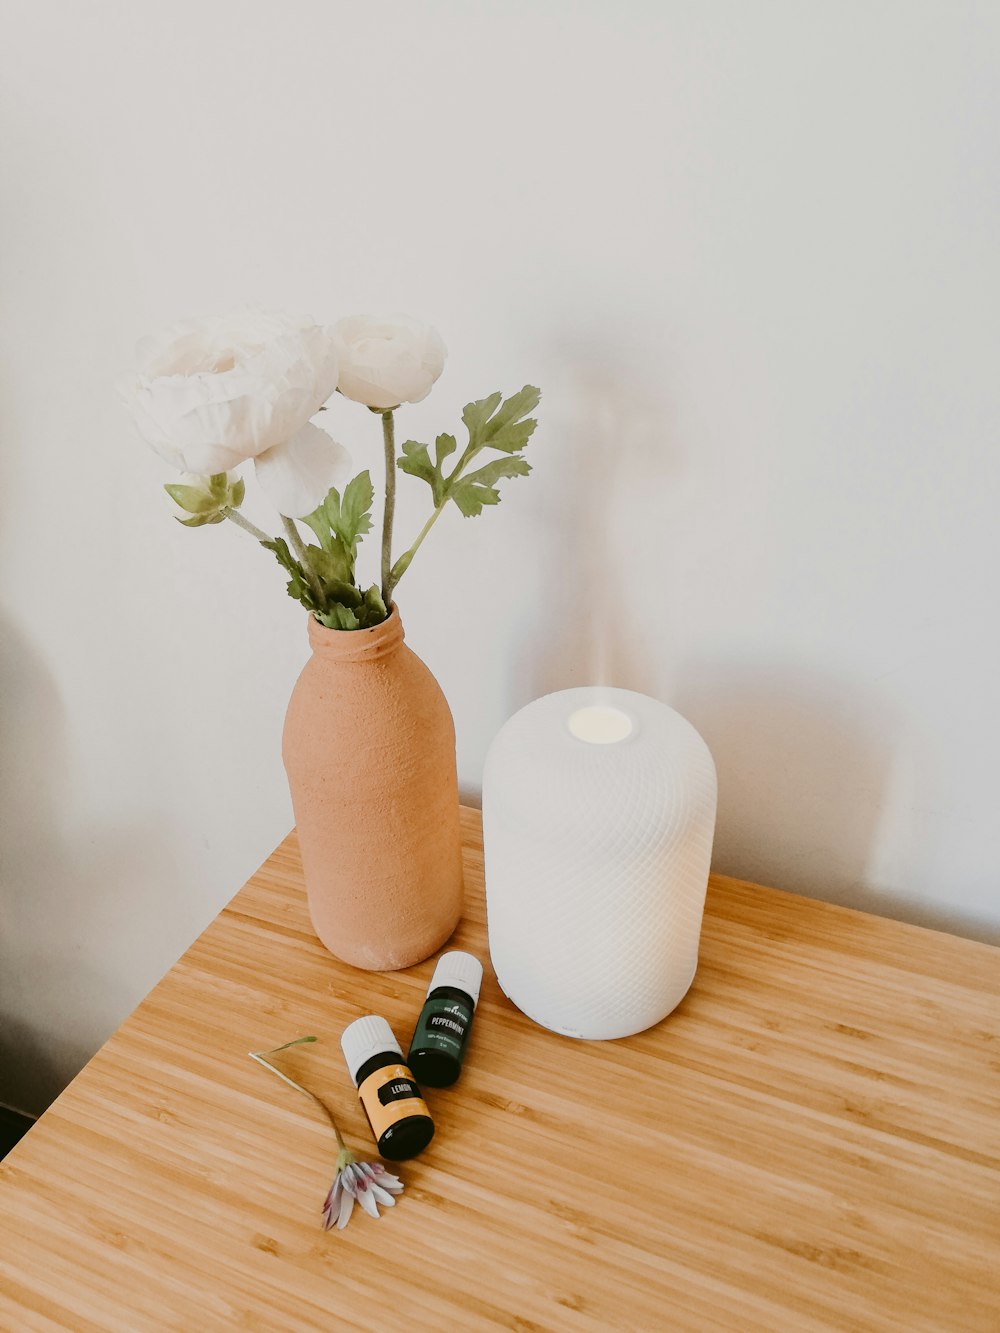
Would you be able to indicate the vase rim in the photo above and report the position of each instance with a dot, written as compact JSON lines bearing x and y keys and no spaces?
{"x":357,"y":645}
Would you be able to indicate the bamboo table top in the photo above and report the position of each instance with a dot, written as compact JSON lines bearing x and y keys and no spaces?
{"x":811,"y":1141}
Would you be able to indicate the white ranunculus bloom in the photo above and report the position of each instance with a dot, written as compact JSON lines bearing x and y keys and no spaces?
{"x":387,"y":360}
{"x":297,"y":476}
{"x":211,"y":393}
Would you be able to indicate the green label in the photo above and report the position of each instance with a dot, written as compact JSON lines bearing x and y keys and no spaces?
{"x":443,"y":1026}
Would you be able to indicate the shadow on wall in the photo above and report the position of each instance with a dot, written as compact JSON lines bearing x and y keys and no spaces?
{"x":803,"y":767}
{"x":68,"y":909}
{"x":804,"y":760}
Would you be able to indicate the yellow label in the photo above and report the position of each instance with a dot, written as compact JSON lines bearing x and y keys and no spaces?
{"x":389,"y":1095}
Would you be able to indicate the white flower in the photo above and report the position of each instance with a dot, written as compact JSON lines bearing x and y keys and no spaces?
{"x":298,"y":475}
{"x":387,"y":360}
{"x":367,"y":1182}
{"x":211,"y":393}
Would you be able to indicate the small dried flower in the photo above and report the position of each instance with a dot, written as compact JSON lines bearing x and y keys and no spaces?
{"x":367,"y":1182}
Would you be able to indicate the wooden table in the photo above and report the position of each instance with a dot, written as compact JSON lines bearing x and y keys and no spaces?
{"x":811,"y":1141}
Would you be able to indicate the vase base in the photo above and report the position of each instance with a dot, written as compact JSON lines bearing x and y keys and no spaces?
{"x":381,"y":956}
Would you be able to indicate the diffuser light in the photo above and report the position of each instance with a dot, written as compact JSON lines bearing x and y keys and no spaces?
{"x":600,"y":725}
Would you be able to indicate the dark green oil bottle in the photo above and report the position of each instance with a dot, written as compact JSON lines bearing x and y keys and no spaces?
{"x":442,"y":1032}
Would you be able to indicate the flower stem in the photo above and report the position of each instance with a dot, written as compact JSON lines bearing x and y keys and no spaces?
{"x":415,"y":547}
{"x":470,"y":453}
{"x":246,"y":525}
{"x":389,"y":440}
{"x":302,"y":555}
{"x":259,"y":1056}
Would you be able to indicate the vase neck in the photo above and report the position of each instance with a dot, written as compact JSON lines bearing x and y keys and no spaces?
{"x":357,"y":645}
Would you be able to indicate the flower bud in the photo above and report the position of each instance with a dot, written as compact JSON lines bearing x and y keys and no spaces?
{"x":199,"y":500}
{"x":387,"y":360}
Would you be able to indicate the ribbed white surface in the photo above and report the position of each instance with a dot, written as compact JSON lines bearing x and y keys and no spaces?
{"x":597,"y":861}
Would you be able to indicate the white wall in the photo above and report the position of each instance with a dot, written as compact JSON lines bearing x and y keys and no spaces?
{"x":749,"y":252}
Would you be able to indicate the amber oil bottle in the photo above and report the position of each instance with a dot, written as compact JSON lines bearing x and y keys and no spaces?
{"x":398,"y":1115}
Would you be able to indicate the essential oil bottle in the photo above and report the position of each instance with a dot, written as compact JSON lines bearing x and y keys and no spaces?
{"x":442,"y":1031}
{"x":397,"y":1113}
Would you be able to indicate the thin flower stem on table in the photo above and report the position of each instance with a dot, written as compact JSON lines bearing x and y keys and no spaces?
{"x":259,"y":1056}
{"x":367,"y":1183}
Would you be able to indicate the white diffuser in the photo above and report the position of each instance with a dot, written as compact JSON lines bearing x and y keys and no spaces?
{"x":598,"y":818}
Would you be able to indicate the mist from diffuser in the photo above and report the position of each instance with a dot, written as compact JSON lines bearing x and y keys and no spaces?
{"x":598,"y":818}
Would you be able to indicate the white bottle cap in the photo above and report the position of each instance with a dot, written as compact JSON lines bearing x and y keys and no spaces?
{"x":460,"y":970}
{"x":364,"y":1038}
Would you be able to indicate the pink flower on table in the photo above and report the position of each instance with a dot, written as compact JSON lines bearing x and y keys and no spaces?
{"x":369,"y":1183}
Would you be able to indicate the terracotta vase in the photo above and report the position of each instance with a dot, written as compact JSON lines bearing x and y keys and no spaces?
{"x":369,"y":749}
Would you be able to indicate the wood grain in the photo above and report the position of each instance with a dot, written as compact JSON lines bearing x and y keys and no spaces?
{"x":811,"y":1141}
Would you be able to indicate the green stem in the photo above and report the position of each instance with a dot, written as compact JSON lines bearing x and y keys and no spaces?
{"x":470,"y":453}
{"x":389,"y":440}
{"x":415,"y":547}
{"x":259,"y":1056}
{"x":246,"y":525}
{"x":388,"y":582}
{"x":302,"y":556}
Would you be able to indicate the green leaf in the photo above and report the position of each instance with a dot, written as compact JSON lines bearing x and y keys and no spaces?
{"x":416,"y":462}
{"x":475,"y":415}
{"x":282,"y":554}
{"x":339,"y":617}
{"x":346,"y":593}
{"x":199,"y":520}
{"x":191,"y":499}
{"x":319,"y":523}
{"x":498,"y":468}
{"x":344,"y":520}
{"x":298,"y":585}
{"x":492,"y":423}
{"x":238,"y":492}
{"x":478,"y":488}
{"x":331,"y":508}
{"x":335,"y":565}
{"x":518,"y":405}
{"x":299,"y":590}
{"x":372,"y":610}
{"x":514,"y":437}
{"x":443,"y":446}
{"x":471,"y":497}
{"x":355,"y":511}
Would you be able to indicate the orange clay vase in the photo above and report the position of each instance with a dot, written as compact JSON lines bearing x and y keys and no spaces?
{"x":369,"y":749}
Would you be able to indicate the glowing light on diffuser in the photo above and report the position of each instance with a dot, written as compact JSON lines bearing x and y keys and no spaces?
{"x":600,"y":725}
